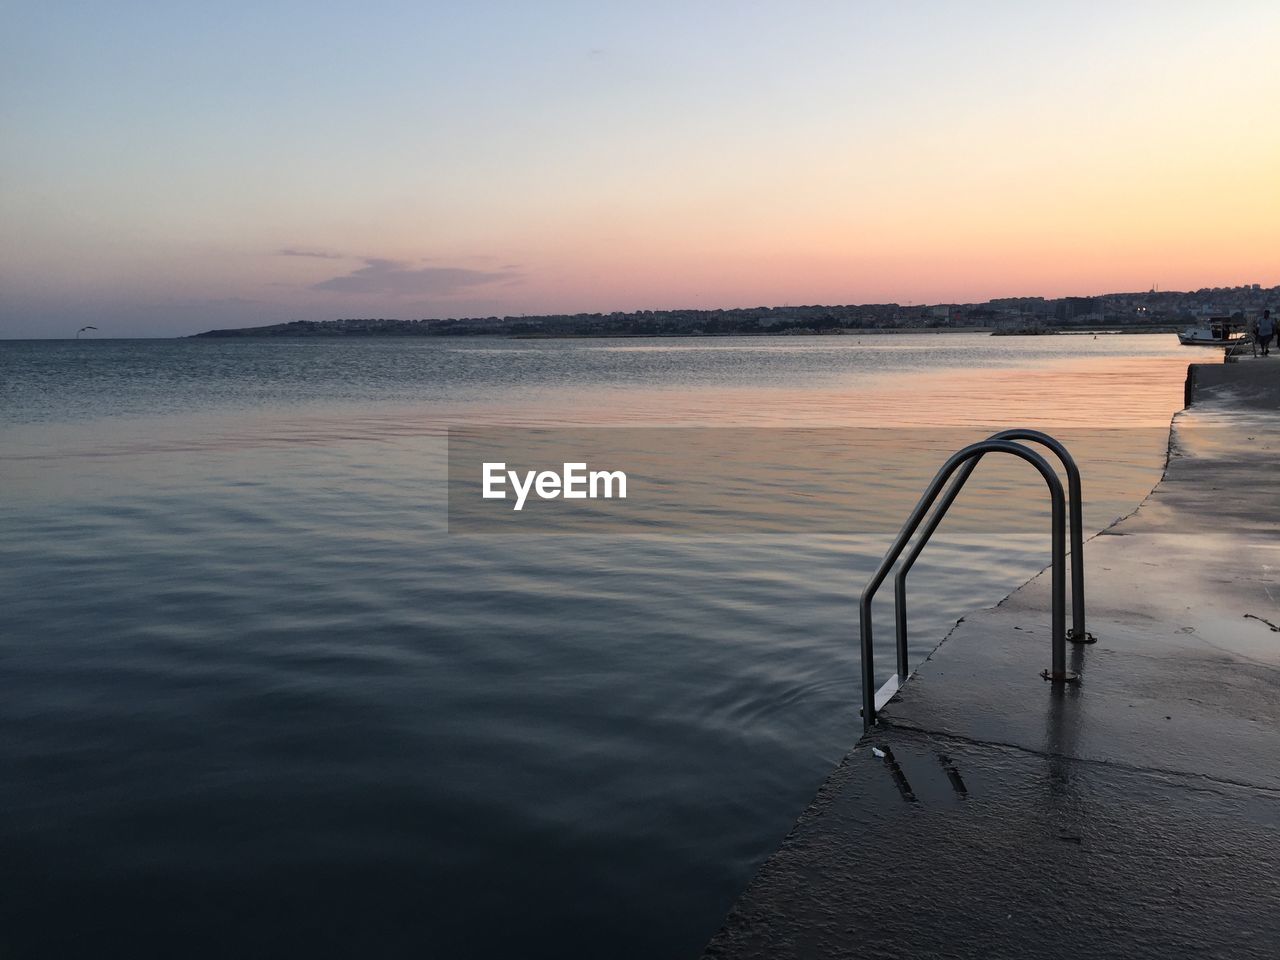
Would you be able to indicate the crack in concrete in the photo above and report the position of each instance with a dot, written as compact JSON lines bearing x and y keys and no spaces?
{"x":911,"y":728}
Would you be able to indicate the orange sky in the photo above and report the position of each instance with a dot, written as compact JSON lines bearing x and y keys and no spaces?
{"x":182,"y":172}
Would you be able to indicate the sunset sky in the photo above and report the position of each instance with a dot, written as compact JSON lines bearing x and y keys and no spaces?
{"x":170,"y":167}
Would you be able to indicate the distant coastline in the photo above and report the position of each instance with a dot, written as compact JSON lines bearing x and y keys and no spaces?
{"x":289,"y":332}
{"x":1156,"y":311}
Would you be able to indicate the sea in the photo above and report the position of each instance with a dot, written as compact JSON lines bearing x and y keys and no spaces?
{"x":258,"y":697}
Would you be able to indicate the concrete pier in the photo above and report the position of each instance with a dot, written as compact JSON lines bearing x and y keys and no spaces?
{"x":1137,"y":814}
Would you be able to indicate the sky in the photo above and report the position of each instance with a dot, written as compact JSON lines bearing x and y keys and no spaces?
{"x":170,"y":167}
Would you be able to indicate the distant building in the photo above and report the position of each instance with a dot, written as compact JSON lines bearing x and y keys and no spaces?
{"x":1070,"y":309}
{"x":1024,"y":305}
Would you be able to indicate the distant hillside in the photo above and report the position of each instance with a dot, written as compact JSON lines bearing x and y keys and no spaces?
{"x":1133,"y":310}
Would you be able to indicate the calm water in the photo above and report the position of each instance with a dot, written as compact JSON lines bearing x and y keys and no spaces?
{"x":254,"y":698}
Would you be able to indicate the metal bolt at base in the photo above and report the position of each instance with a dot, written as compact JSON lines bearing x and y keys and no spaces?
{"x":1087,"y":637}
{"x":1066,"y":676}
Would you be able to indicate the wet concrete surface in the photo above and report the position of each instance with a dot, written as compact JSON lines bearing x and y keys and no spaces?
{"x":991,"y":814}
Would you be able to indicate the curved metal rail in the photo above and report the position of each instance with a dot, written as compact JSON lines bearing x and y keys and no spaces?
{"x":872,"y":699}
{"x":1077,"y":633}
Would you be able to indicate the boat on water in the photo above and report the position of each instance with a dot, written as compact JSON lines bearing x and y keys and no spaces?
{"x":1215,"y":332}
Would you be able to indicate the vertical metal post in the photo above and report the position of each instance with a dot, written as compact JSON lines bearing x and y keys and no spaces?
{"x":1058,"y":665}
{"x":868,"y":668}
{"x":900,"y":629}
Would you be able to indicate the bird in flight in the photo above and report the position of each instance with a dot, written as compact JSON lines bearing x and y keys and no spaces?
{"x":83,"y":329}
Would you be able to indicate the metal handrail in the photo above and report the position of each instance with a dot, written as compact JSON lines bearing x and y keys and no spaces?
{"x":1077,"y":633}
{"x":872,"y":699}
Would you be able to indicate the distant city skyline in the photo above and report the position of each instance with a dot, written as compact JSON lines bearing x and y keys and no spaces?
{"x":170,"y":168}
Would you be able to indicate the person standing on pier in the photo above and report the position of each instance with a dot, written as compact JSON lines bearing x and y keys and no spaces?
{"x":1266,"y":327}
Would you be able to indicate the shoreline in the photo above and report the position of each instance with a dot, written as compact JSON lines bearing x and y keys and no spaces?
{"x":1064,"y":330}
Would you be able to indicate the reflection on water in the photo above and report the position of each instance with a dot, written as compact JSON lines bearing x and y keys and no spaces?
{"x":252,"y":690}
